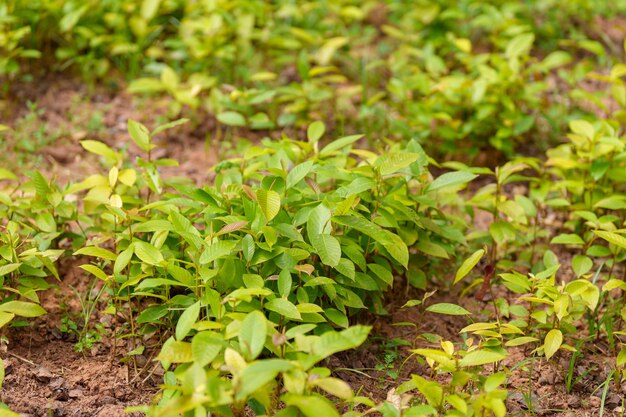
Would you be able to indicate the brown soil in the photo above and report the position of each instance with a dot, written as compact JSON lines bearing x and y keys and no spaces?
{"x":45,"y":376}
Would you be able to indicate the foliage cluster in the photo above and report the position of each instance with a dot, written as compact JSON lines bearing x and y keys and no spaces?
{"x":251,"y":282}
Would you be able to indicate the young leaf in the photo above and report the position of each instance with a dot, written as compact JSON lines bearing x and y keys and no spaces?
{"x":140,"y":135}
{"x":468,"y":265}
{"x":298,"y":173}
{"x":450,"y":179}
{"x":252,"y":334}
{"x":581,"y":264}
{"x":315,"y":131}
{"x":611,"y":237}
{"x":231,"y":118}
{"x":552,"y":342}
{"x":187,"y":320}
{"x":284,"y":307}
{"x":311,"y":405}
{"x":96,"y":252}
{"x":259,"y":373}
{"x":448,"y":308}
{"x":481,"y":357}
{"x":327,"y":248}
{"x":148,"y":253}
{"x":269,"y":202}
{"x":22,"y":308}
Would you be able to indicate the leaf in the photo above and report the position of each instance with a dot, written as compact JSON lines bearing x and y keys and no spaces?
{"x":205,"y":348}
{"x":311,"y":405}
{"x":174,"y":351}
{"x":481,"y":357}
{"x":450,"y":179}
{"x":394,"y":245}
{"x":337,"y":317}
{"x":298,"y":173}
{"x":315,"y":131}
{"x":96,"y":252}
{"x":393,"y":162}
{"x":521,"y":341}
{"x":614,"y":238}
{"x":519,"y":45}
{"x":8,"y":268}
{"x":448,"y":308}
{"x":95,"y":271}
{"x":169,"y":125}
{"x":552,"y":342}
{"x":283,"y":307}
{"x":22,"y":308}
{"x":334,"y":386}
{"x":468,"y":265}
{"x":339,"y":144}
{"x":99,"y":148}
{"x":252,"y":334}
{"x":328,"y":249}
{"x":216,"y":250}
{"x":148,"y":253}
{"x":187,"y":320}
{"x":567,"y":239}
{"x":269,"y":202}
{"x":149,"y":8}
{"x":581,"y":264}
{"x":259,"y":373}
{"x":140,"y":135}
{"x":231,"y":118}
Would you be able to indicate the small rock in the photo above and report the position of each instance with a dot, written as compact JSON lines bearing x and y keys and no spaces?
{"x":107,"y":400}
{"x":43,"y":374}
{"x":57,"y":383}
{"x":594,"y":401}
{"x":75,"y":393}
{"x":547,"y":378}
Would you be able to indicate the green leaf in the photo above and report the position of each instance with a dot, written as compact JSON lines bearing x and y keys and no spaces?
{"x":205,"y":348}
{"x":391,"y":163}
{"x":468,"y":265}
{"x":174,"y":351}
{"x":252,"y":334}
{"x":8,"y":268}
{"x":259,"y":373}
{"x":169,"y":125}
{"x":518,"y":341}
{"x":96,"y":252}
{"x":269,"y":202}
{"x":187,"y":320}
{"x":614,"y":238}
{"x":298,"y":173}
{"x":552,"y":342}
{"x":22,"y":308}
{"x":149,"y":9}
{"x":216,"y":250}
{"x":231,"y":118}
{"x":481,"y":357}
{"x":95,"y":271}
{"x":311,"y":405}
{"x":315,"y":131}
{"x":284,"y":307}
{"x":450,"y":179}
{"x":337,"y":317}
{"x":99,"y":148}
{"x":328,"y":249}
{"x":448,"y":308}
{"x":334,"y":386}
{"x":148,"y":253}
{"x":581,"y":264}
{"x":567,"y":239}
{"x":519,"y":45}
{"x":140,"y":135}
{"x":339,"y":144}
{"x":8,"y":413}
{"x":393,"y":243}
